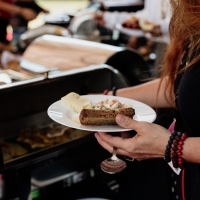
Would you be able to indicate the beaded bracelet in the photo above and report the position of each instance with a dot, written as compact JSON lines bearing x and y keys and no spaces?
{"x":178,"y":142}
{"x":168,"y":147}
{"x":179,"y":151}
{"x":174,"y":149}
{"x":114,"y":90}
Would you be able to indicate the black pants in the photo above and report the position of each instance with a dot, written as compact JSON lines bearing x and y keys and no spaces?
{"x":3,"y":31}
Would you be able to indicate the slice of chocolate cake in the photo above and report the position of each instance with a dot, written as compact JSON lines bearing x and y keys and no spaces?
{"x":103,"y":117}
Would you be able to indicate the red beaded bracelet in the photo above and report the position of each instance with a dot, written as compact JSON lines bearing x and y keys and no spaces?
{"x":105,"y":92}
{"x":174,"y":151}
{"x":114,"y":89}
{"x":177,"y":148}
{"x":179,"y":151}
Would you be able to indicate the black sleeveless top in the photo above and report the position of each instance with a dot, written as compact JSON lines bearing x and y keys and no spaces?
{"x":187,"y":90}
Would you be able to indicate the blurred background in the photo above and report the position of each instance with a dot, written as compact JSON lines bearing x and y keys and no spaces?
{"x":58,"y":6}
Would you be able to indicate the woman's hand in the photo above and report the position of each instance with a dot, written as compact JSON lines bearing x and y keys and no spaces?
{"x":28,"y":14}
{"x":45,"y":11}
{"x":149,"y":142}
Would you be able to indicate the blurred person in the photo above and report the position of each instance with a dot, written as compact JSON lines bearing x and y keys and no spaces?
{"x":178,"y":88}
{"x":156,"y":12}
{"x":20,"y":24}
{"x":10,"y":8}
{"x":154,"y":18}
{"x":18,"y":20}
{"x":7,"y":9}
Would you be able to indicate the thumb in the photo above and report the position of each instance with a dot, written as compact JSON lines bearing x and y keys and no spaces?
{"x":126,"y":122}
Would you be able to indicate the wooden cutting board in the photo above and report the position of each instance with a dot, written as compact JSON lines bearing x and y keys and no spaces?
{"x":67,"y":53}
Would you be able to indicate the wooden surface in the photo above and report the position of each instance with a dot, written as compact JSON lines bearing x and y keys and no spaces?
{"x":65,"y":56}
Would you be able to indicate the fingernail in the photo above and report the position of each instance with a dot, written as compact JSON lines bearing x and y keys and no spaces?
{"x":95,"y":134}
{"x":119,"y":118}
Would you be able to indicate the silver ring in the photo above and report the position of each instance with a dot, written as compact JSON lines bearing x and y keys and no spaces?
{"x":129,"y":158}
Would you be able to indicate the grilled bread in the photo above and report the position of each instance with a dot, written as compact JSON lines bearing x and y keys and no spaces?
{"x":103,"y":117}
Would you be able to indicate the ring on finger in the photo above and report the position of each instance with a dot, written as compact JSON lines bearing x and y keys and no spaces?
{"x":129,"y":158}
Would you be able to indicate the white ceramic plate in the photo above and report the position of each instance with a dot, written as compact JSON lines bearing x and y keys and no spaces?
{"x":141,"y":33}
{"x":130,"y":31}
{"x":63,"y":115}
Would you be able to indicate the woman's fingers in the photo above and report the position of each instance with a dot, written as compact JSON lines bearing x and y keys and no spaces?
{"x":28,"y":14}
{"x":149,"y":142}
{"x":108,"y":142}
{"x":115,"y":141}
{"x":109,"y":147}
{"x":102,"y":142}
{"x":127,"y":122}
{"x":125,"y":135}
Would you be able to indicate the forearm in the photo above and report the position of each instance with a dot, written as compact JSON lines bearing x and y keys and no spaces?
{"x":191,"y":150}
{"x":9,"y":7}
{"x":147,"y":93}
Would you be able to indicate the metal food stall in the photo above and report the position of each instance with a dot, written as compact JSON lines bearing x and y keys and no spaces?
{"x":36,"y":153}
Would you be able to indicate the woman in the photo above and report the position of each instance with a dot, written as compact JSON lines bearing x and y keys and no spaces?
{"x":17,"y":13}
{"x":155,"y":11}
{"x":178,"y":87}
{"x":18,"y":20}
{"x":7,"y":9}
